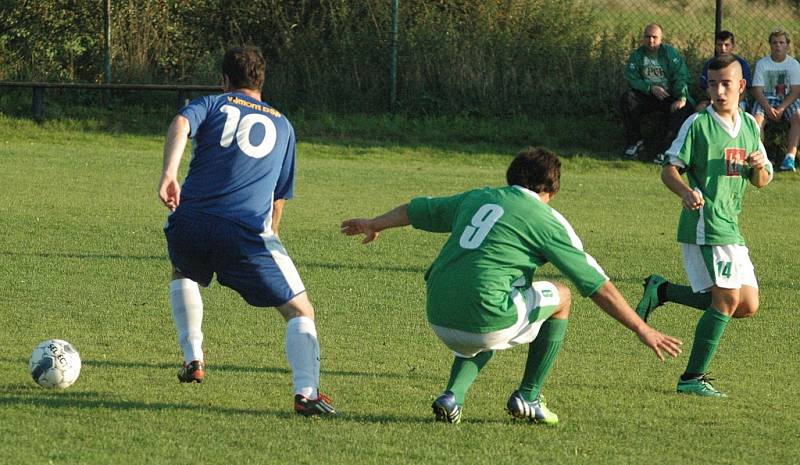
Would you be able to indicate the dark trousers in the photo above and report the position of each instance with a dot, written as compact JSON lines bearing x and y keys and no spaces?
{"x":634,"y":105}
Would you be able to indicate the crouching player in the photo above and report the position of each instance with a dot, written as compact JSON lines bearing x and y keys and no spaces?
{"x":720,"y":151}
{"x":481,"y":296}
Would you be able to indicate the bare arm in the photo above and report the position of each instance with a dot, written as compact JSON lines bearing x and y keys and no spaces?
{"x":609,"y":299}
{"x":794,"y":94}
{"x":671,"y":178}
{"x":277,"y":214}
{"x":371,"y":228}
{"x":759,"y":176}
{"x":758,"y":94}
{"x":169,"y":189}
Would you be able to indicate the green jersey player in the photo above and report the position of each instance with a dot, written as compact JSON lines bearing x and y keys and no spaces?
{"x":481,"y":295}
{"x":720,"y":151}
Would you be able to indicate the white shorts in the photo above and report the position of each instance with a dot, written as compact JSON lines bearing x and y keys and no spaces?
{"x":536,"y":303}
{"x":725,"y":266}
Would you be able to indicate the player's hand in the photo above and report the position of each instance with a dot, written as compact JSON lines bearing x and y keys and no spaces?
{"x":756,"y":160}
{"x":692,"y":200}
{"x":660,"y":343}
{"x":677,"y":105}
{"x":774,"y":114}
{"x":169,"y":191}
{"x":659,"y":92}
{"x":360,"y":226}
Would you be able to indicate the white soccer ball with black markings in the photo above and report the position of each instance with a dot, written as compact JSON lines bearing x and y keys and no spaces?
{"x":55,"y":364}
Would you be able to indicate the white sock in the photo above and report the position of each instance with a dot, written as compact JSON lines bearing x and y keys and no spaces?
{"x":790,"y":155}
{"x":187,"y":312}
{"x":302,"y":351}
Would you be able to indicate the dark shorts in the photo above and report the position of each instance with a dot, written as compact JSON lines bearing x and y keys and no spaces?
{"x":254,"y":265}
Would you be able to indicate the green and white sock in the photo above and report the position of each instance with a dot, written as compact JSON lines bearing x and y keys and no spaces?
{"x":685,"y":296}
{"x":542,"y":354}
{"x":707,"y":335}
{"x":463,"y":374}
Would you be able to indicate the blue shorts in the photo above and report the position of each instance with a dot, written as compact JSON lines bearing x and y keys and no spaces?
{"x":254,"y":265}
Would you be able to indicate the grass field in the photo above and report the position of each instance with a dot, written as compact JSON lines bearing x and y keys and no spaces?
{"x":82,"y":257}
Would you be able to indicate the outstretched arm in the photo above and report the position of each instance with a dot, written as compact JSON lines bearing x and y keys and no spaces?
{"x":169,"y":189}
{"x":371,"y":228}
{"x":609,"y":299}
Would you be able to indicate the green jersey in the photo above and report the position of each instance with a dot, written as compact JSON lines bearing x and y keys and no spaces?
{"x":498,"y":239}
{"x":714,"y":156}
{"x":666,"y":69}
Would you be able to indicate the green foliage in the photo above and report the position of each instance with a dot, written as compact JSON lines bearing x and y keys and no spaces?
{"x":455,"y":57}
{"x":83,"y":258}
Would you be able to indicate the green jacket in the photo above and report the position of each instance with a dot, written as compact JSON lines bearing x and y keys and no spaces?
{"x":675,"y":70}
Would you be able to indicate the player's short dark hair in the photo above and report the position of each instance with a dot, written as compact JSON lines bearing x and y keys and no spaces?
{"x":537,"y":169}
{"x":721,"y":62}
{"x":722,"y":36}
{"x":244,"y":66}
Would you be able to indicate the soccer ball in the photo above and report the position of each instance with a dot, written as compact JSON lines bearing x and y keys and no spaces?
{"x":55,"y":364}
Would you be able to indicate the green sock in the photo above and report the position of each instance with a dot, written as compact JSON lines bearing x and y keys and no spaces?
{"x":685,"y":296}
{"x":542,"y":354}
{"x":464,"y":372}
{"x":706,"y":339}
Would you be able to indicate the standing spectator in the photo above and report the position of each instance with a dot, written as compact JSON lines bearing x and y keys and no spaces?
{"x":724,"y":43}
{"x":776,"y":88}
{"x":224,"y":219}
{"x":659,"y":81}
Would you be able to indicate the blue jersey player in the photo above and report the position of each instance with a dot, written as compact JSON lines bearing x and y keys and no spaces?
{"x":224,"y":219}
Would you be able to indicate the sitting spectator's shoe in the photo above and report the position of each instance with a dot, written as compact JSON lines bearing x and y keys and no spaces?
{"x":632,"y":151}
{"x":193,"y":372}
{"x":535,"y":411}
{"x":446,"y":408}
{"x":659,"y":159}
{"x":320,"y":406}
{"x":788,"y":163}
{"x":700,"y":386}
{"x":650,"y":300}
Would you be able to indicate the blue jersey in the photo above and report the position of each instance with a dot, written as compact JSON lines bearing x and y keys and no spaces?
{"x":243,"y":156}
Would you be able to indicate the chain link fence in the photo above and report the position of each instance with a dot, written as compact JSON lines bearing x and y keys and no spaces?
{"x":690,"y":25}
{"x":462,"y":57}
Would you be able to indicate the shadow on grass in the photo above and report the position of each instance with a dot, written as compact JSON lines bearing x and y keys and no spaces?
{"x":86,"y":256}
{"x":30,"y":395}
{"x":223,"y":368}
{"x":33,"y":396}
{"x":591,"y":136}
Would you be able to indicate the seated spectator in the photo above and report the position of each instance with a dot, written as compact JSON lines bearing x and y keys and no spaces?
{"x":776,"y":88}
{"x":658,"y":80}
{"x":724,"y":43}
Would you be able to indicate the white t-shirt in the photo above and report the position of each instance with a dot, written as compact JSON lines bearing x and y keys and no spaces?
{"x":776,"y":78}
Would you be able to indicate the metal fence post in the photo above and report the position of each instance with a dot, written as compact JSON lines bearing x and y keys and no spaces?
{"x":393,"y":71}
{"x":38,"y":104}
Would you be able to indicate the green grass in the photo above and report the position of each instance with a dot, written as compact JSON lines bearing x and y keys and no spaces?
{"x":82,"y":258}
